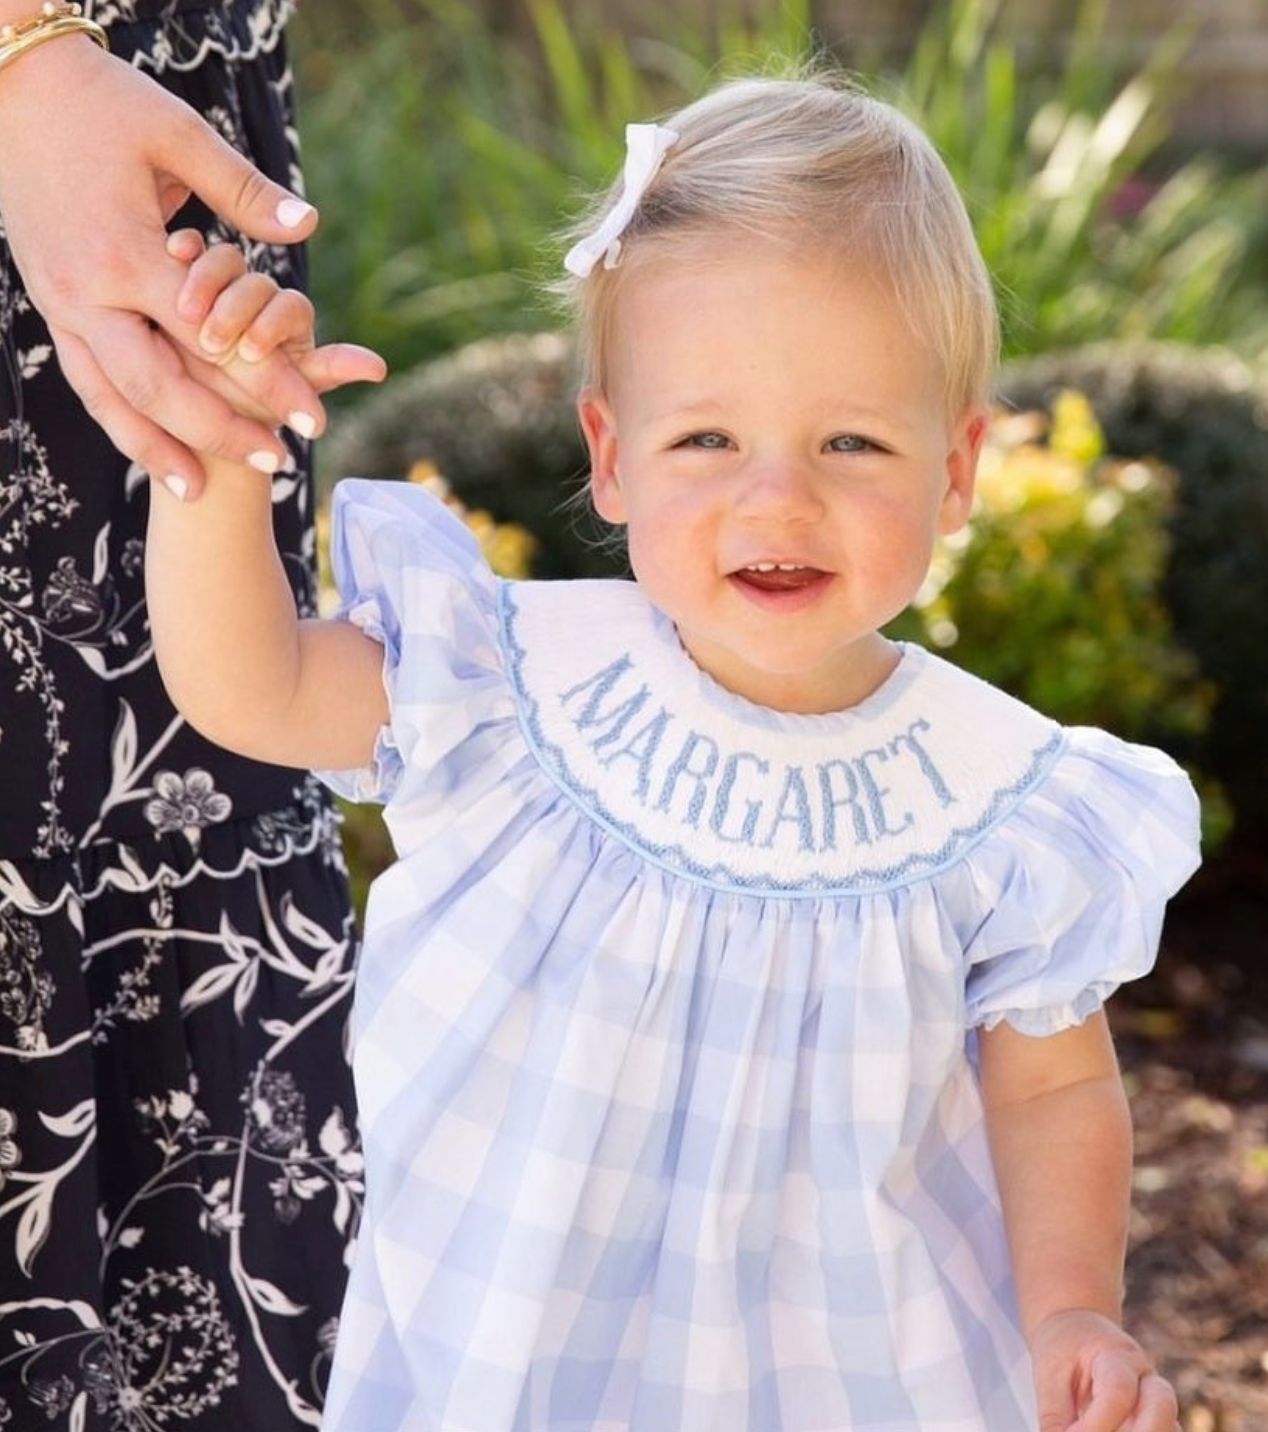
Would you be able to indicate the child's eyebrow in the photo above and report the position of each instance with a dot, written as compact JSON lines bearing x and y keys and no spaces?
{"x":839,"y":410}
{"x":688,"y":410}
{"x":892,"y":417}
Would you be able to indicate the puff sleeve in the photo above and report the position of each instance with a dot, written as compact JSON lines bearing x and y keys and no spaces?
{"x":411,"y":575}
{"x":1075,"y":884}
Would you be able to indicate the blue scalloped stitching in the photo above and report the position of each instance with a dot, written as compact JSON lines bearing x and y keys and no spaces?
{"x":674,"y":859}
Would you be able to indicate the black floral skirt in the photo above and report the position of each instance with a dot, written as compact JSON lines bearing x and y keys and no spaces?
{"x":180,"y":1180}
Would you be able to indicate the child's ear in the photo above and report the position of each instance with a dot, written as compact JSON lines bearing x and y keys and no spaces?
{"x":599,"y":428}
{"x":966,"y":439}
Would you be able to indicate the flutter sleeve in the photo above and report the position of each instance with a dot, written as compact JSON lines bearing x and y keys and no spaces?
{"x":1075,"y":883}
{"x":411,"y":575}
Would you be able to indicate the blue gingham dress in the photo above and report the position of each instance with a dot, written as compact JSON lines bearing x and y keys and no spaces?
{"x":665,"y":1013}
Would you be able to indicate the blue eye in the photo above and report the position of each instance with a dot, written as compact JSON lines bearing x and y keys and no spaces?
{"x":712,"y":442}
{"x":850,"y":442}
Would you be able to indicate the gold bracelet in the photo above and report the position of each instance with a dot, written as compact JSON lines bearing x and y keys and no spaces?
{"x":52,"y":21}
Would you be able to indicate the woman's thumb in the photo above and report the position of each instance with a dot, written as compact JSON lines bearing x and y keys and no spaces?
{"x":235,"y":190}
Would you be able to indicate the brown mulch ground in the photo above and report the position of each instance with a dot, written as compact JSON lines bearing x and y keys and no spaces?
{"x":1193,"y":1041}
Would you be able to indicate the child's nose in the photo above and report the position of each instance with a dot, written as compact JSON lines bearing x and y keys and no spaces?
{"x":780,"y":487}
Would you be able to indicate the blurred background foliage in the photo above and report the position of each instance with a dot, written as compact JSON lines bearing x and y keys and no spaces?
{"x":444,"y":149}
{"x":1116,"y":571}
{"x":1054,"y":589}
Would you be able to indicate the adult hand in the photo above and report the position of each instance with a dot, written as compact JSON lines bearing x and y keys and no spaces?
{"x":95,"y":158}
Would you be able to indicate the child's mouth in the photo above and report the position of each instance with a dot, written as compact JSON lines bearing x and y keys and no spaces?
{"x":778,"y":576}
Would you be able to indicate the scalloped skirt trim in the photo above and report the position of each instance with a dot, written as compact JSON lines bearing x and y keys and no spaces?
{"x":183,"y":39}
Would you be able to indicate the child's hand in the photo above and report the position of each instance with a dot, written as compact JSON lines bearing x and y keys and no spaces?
{"x":1090,"y":1376}
{"x":247,"y":318}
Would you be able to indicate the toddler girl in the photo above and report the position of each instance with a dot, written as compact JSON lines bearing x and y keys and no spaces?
{"x":729,"y":1040}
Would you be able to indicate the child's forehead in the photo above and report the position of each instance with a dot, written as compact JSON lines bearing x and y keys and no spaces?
{"x":680,"y":276}
{"x":759,"y":327}
{"x":747,"y":287}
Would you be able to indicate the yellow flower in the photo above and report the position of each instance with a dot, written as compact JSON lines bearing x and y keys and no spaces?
{"x":1075,"y":433}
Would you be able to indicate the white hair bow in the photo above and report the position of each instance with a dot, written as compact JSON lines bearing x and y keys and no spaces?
{"x":645,"y":146}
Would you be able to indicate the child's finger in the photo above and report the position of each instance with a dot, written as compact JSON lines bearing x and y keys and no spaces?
{"x":188,"y":245}
{"x":287,"y":319}
{"x":1116,"y":1392}
{"x":214,"y":269}
{"x":185,"y":244}
{"x":237,"y":305}
{"x":1055,"y":1391}
{"x":210,"y":267}
{"x":1157,"y":1409}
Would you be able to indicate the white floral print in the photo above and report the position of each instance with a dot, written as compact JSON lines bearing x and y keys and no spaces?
{"x":180,"y":1181}
{"x":10,"y":1153}
{"x":26,"y":988}
{"x":186,"y":803}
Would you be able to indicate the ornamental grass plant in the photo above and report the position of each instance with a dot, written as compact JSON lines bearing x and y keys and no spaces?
{"x":444,"y":150}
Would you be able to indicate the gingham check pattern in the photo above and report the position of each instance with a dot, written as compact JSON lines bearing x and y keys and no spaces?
{"x":649,"y":1153}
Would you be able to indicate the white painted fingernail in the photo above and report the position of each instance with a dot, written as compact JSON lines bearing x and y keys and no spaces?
{"x":249,"y":353}
{"x":302,"y":423}
{"x":291,"y":213}
{"x":264,"y":462}
{"x":176,"y":485}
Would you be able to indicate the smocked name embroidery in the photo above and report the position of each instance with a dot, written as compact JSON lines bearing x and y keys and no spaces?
{"x":679,"y":772}
{"x":750,"y":800}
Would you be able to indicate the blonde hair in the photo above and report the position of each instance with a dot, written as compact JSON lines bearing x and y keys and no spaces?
{"x":811,"y":163}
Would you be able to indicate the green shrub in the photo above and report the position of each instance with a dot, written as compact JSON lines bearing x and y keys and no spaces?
{"x":1206,"y":414}
{"x":1053,"y":591}
{"x":497,"y":420}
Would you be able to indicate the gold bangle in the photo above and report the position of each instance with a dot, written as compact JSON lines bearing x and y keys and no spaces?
{"x":53,"y":21}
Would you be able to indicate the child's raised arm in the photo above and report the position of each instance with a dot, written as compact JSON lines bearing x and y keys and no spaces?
{"x":236,"y":659}
{"x":1060,"y":1133}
